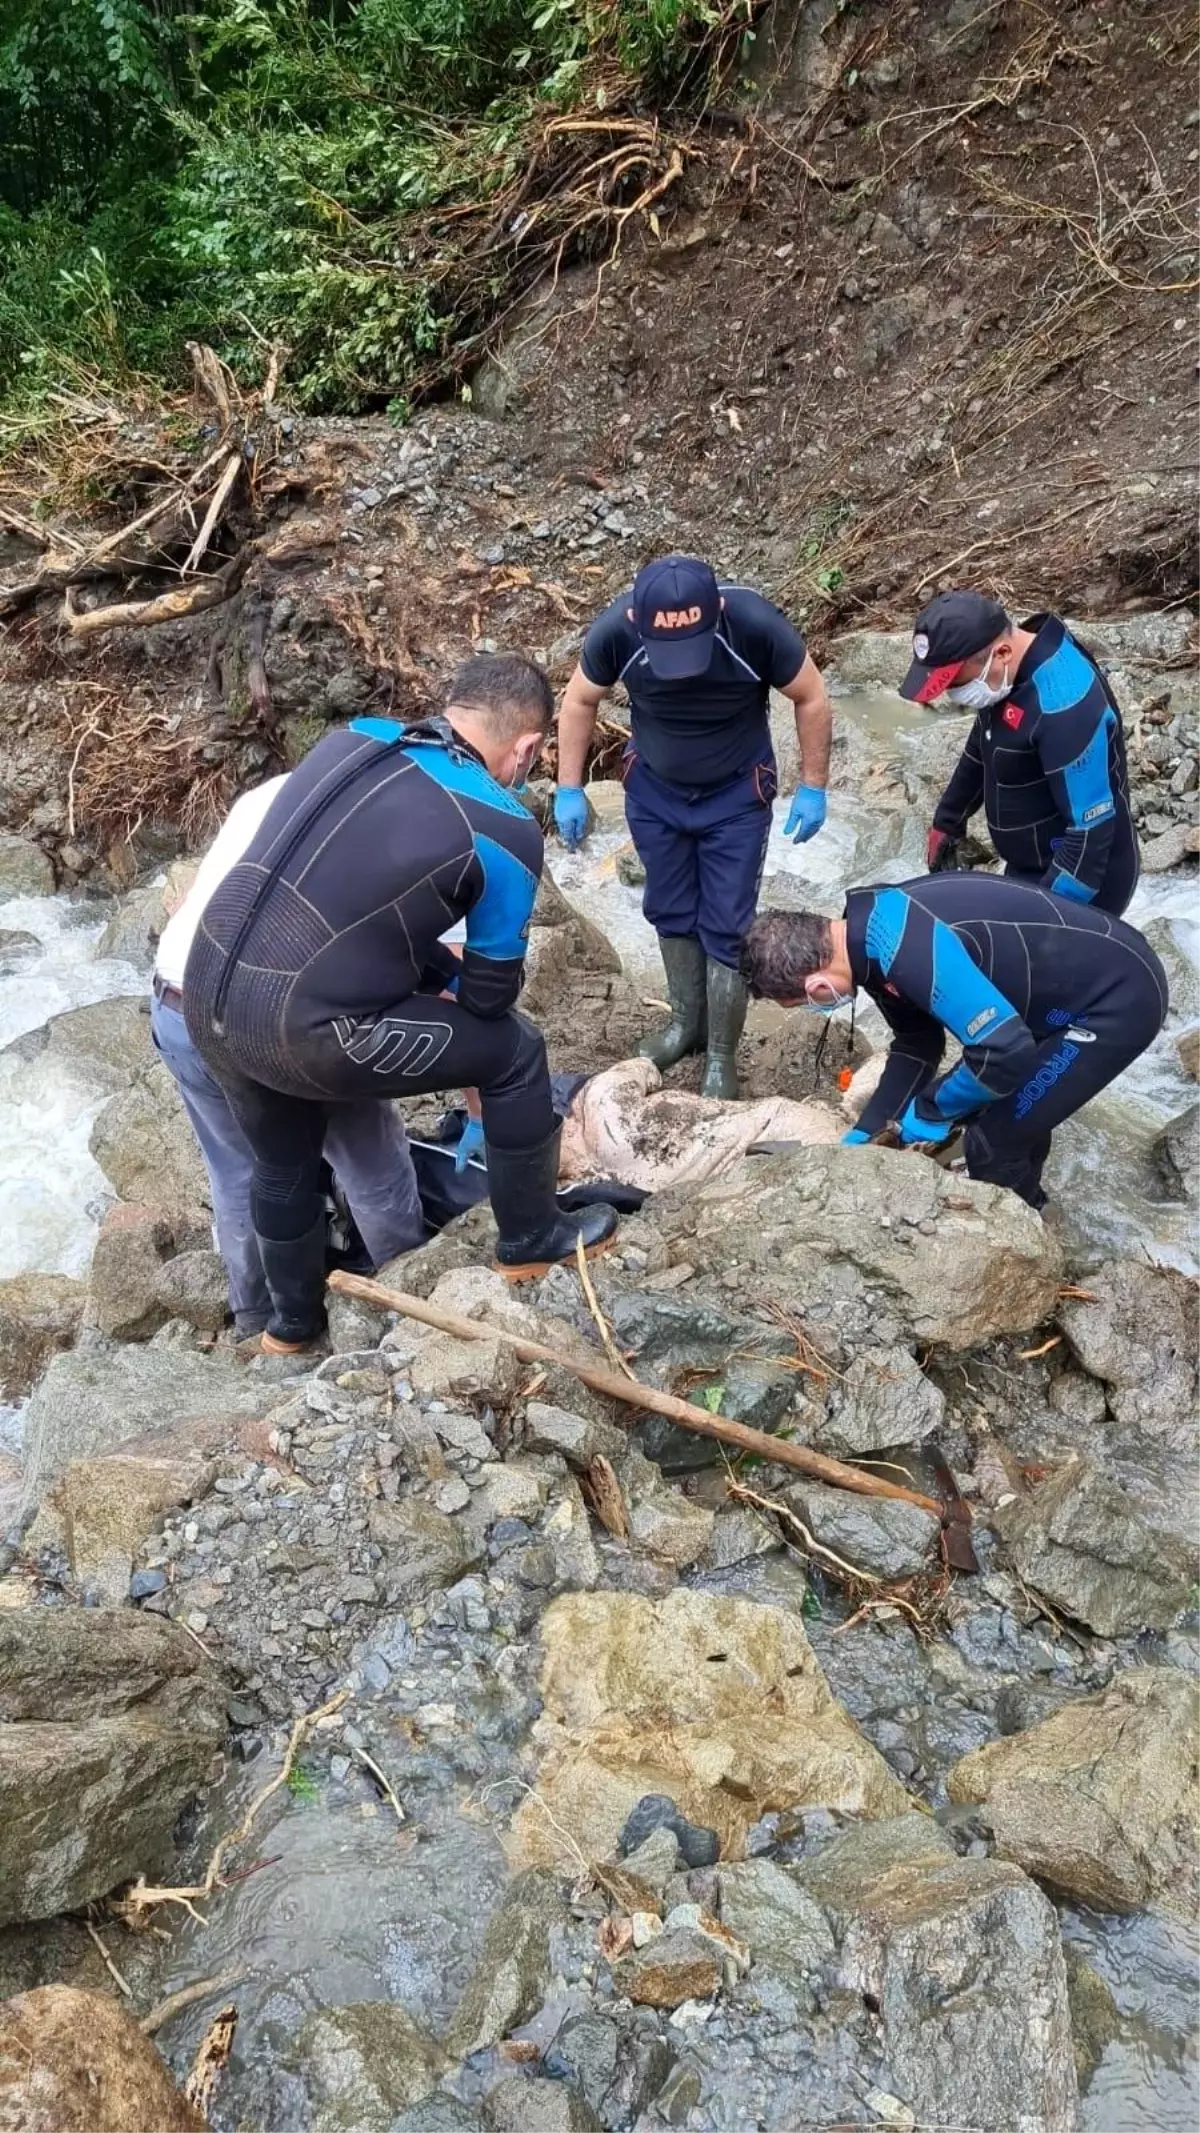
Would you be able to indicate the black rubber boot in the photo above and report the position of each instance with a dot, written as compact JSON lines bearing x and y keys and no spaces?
{"x":727,"y":1003}
{"x":295,"y":1273}
{"x":683,"y":961}
{"x":534,"y":1232}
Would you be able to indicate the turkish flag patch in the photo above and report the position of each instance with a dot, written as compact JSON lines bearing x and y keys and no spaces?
{"x":1012,"y":715}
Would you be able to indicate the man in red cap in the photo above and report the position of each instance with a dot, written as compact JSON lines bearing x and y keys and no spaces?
{"x":698,"y":661}
{"x":1045,"y":757}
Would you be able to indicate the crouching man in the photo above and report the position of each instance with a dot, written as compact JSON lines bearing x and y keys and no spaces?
{"x":316,"y":977}
{"x":1049,"y":999}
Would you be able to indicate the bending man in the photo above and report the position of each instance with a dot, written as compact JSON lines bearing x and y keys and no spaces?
{"x":1045,"y":757}
{"x":1049,"y":999}
{"x":698,"y":661}
{"x":315,"y":974}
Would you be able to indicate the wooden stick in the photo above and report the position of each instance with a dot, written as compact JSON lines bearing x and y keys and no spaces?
{"x":217,"y":504}
{"x":777,"y":1449}
{"x":166,"y":607}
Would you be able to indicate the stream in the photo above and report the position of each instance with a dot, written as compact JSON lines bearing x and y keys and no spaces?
{"x":348,"y":1905}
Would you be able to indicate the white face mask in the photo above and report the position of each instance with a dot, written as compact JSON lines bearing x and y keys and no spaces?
{"x":979,"y":695}
{"x":827,"y":1001}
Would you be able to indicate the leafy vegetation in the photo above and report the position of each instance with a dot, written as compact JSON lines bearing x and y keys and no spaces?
{"x":316,"y":172}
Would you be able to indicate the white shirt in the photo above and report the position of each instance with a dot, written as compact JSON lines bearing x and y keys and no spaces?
{"x":231,"y":842}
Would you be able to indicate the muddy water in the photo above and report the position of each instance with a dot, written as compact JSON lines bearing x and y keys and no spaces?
{"x":1148,"y":2079}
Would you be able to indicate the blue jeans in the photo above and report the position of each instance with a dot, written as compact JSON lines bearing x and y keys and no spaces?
{"x":365,"y":1145}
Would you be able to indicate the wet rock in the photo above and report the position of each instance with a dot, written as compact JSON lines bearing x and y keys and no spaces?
{"x":39,"y":1316}
{"x":662,"y":1520}
{"x":679,"y":2095}
{"x":86,"y":1404}
{"x":438,"y":2114}
{"x":507,"y":1491}
{"x":666,"y":1335}
{"x":871,"y":1231}
{"x":132,"y":933}
{"x":739,"y":1536}
{"x":1081,"y":1541}
{"x":1187,"y":1044}
{"x":24,"y":868}
{"x":101,"y":1510}
{"x":193,"y":1286}
{"x":888,"y":1538}
{"x":645,"y":1870}
{"x":880,"y":1401}
{"x":108,"y":1721}
{"x":1177,"y":1154}
{"x":656,"y":1816}
{"x":1139,"y":1337}
{"x":109,"y":1042}
{"x":521,"y":2106}
{"x":362,"y":2064}
{"x":1095,"y":2016}
{"x":674,"y":1967}
{"x":568,"y":1529}
{"x":784,"y":1928}
{"x":423,"y":1549}
{"x":456,"y":1371}
{"x":718,"y":1703}
{"x":1101,"y":1799}
{"x":990,"y":2043}
{"x":124,"y":1297}
{"x":1170,"y":848}
{"x":514,"y":1968}
{"x":16,"y":949}
{"x":75,"y":2062}
{"x":145,"y":1146}
{"x":586,"y":2053}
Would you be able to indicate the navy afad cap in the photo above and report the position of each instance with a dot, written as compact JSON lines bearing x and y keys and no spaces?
{"x":676,"y":609}
{"x":945,"y":635}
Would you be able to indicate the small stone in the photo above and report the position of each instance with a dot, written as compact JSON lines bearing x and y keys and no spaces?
{"x":197,"y":1621}
{"x":647,"y":1925}
{"x":679,"y":2094}
{"x":376,"y":1672}
{"x":671,"y":1969}
{"x":145,"y":1582}
{"x":656,"y":1810}
{"x":369,"y":498}
{"x":453,"y":1495}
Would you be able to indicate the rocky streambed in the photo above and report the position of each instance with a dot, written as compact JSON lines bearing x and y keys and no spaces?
{"x":624,"y":1788}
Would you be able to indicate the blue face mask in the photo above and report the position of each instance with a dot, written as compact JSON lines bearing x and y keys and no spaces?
{"x":830,"y":1006}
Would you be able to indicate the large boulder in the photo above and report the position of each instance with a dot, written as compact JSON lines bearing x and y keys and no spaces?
{"x":99,"y":1511}
{"x":1136,"y":1331}
{"x":124,"y":1279}
{"x":144,"y":1144}
{"x":514,"y":1968}
{"x":75,"y":2062}
{"x":109,"y":1041}
{"x":39,"y":1315}
{"x":1177,"y":1154}
{"x":88,"y":1403}
{"x":963,"y":1959}
{"x":132,"y":933}
{"x":108,"y":1722}
{"x":860,"y":1232}
{"x":880,"y":1401}
{"x":364,"y":2063}
{"x":879,"y":1534}
{"x":24,"y":868}
{"x":1081,"y":1540}
{"x":1101,"y":1800}
{"x":717,"y":1703}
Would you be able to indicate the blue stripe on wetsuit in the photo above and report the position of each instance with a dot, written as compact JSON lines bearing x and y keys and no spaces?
{"x":959,"y":996}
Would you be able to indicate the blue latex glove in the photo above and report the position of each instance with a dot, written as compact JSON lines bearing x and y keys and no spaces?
{"x":571,"y":815}
{"x":856,"y":1138}
{"x":470,"y":1144}
{"x":914,"y":1128}
{"x":806,"y":814}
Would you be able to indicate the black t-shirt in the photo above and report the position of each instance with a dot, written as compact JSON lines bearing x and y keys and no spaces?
{"x":709,"y":730}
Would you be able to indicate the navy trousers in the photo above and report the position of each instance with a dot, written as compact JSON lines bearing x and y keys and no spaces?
{"x":703,"y":852}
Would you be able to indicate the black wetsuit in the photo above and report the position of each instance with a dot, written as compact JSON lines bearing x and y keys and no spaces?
{"x":1047,"y":764}
{"x":1050,"y":1000}
{"x":314,"y":974}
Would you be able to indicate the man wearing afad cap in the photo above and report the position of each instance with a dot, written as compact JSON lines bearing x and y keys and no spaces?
{"x":698,"y":660}
{"x":1045,"y":757}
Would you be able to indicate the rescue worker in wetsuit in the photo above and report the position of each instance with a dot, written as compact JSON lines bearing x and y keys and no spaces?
{"x":1050,"y":1000}
{"x":698,"y":660}
{"x":1045,"y":757}
{"x":315,"y":973}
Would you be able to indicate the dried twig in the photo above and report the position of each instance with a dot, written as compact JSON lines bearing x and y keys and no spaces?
{"x":211,"y":2060}
{"x":788,"y":1517}
{"x":602,"y":1326}
{"x":384,"y":1782}
{"x":1030,"y":1355}
{"x":217,"y":501}
{"x":603,"y":1493}
{"x":110,"y":1966}
{"x":176,"y":2003}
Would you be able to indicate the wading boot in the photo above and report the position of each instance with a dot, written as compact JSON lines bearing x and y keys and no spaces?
{"x":295,"y":1272}
{"x":535,"y":1234}
{"x":683,"y":961}
{"x":727,"y":1003}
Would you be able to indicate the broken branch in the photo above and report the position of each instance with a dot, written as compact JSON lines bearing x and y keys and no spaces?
{"x":165,"y":607}
{"x":631,"y":1393}
{"x":229,"y":475}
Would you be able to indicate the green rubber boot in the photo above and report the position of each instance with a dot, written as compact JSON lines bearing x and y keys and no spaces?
{"x":683,"y":961}
{"x":728,"y":1000}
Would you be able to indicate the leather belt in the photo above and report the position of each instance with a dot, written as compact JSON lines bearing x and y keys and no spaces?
{"x":168,"y":995}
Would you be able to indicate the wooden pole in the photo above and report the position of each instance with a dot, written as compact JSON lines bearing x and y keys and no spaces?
{"x":779,"y":1450}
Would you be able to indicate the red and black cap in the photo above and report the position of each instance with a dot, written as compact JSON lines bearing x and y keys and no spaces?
{"x":951,"y":630}
{"x":676,"y":609}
